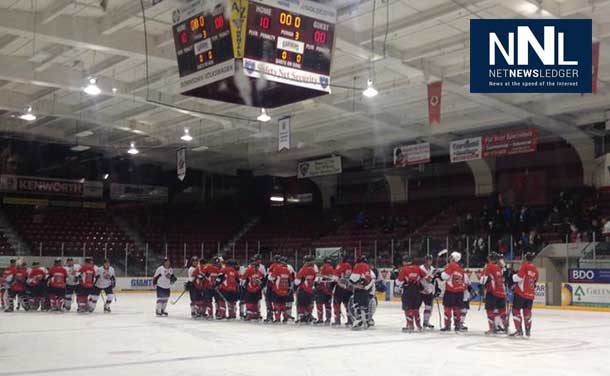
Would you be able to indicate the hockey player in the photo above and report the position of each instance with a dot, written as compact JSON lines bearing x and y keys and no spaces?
{"x":410,"y":278}
{"x":57,"y":285}
{"x":269,"y":295}
{"x":525,"y":291}
{"x":86,"y":279}
{"x":495,"y":300}
{"x":227,"y":286}
{"x":36,"y":286}
{"x":71,"y":282}
{"x":290,"y":297}
{"x":16,"y":280}
{"x":362,"y":279}
{"x":304,"y":282}
{"x":163,"y":279}
{"x":428,"y":289}
{"x":252,"y":284}
{"x":194,"y":295}
{"x":210,"y":295}
{"x":342,"y":291}
{"x":105,"y":280}
{"x":4,"y":283}
{"x":281,"y":280}
{"x":455,"y":284}
{"x":325,"y":283}
{"x":197,"y":290}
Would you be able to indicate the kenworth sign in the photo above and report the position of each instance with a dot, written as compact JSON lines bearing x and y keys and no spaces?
{"x":530,"y":56}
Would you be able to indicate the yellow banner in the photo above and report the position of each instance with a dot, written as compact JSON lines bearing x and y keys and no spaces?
{"x":25,"y":201}
{"x":238,"y":24}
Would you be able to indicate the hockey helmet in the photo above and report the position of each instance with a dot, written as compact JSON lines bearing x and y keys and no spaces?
{"x":277,"y":258}
{"x":530,"y":256}
{"x":231,"y":262}
{"x":456,"y":256}
{"x":407,"y":259}
{"x":57,"y":261}
{"x":493,"y":257}
{"x":284,"y":259}
{"x":217,"y":260}
{"x":308,"y":258}
{"x":428,"y":258}
{"x":363,"y":259}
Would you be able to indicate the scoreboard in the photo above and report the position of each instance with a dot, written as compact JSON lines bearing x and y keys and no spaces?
{"x":264,"y":53}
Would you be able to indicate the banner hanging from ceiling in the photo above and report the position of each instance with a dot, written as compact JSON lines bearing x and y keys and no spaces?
{"x":319,"y":167}
{"x":434,"y":102}
{"x":412,"y":154}
{"x":181,"y":163}
{"x":283,"y":134}
{"x":133,"y":192}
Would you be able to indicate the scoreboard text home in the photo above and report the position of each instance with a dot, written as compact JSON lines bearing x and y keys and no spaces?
{"x":263,"y":53}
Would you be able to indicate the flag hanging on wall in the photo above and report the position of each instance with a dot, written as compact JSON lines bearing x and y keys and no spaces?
{"x":595,"y":60}
{"x":181,"y":163}
{"x":434,"y":102}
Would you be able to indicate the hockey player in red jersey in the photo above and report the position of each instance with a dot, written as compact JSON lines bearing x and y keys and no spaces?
{"x":197,"y":290}
{"x":342,"y":291}
{"x":268,"y":290}
{"x":495,"y":300}
{"x":16,"y":280}
{"x":4,"y":283}
{"x":35,"y":286}
{"x":305,"y":280}
{"x":227,"y":284}
{"x":86,"y":278}
{"x":455,"y":284}
{"x":362,"y":279}
{"x":252,"y":285}
{"x":281,"y":280}
{"x":210,"y":295}
{"x":524,"y":293}
{"x":409,"y":278}
{"x":57,"y":285}
{"x":325,"y":283}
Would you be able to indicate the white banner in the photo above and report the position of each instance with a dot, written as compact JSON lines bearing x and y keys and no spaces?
{"x":133,"y":192}
{"x":585,"y":294}
{"x":286,"y":75}
{"x":207,"y":76}
{"x":50,"y":186}
{"x":540,"y":297}
{"x":319,"y":167}
{"x":181,"y":163}
{"x":412,"y":154}
{"x":465,"y":150}
{"x":283,"y":134}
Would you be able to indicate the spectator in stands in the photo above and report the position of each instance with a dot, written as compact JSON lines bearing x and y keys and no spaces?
{"x":555,"y":219}
{"x":574,"y":234}
{"x":535,"y":241}
{"x":524,"y":219}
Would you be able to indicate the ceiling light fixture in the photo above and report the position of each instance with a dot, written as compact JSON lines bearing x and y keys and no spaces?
{"x":186,"y":136}
{"x":92,"y":88}
{"x":276,"y":198}
{"x":264,"y":116}
{"x":370,"y":90}
{"x":28,"y":115}
{"x":132,"y":149}
{"x":106,"y":176}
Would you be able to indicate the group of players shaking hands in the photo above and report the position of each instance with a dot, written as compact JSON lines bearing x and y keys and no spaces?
{"x":38,"y":288}
{"x":215,"y":288}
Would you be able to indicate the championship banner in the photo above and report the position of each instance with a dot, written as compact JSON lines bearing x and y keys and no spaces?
{"x":132,"y":192}
{"x":283,"y":134}
{"x":238,"y":17}
{"x":595,"y":62}
{"x":181,"y":163}
{"x":319,"y":167}
{"x":509,"y":143}
{"x":412,"y":154}
{"x":50,"y":186}
{"x":434,"y":102}
{"x":465,"y":150}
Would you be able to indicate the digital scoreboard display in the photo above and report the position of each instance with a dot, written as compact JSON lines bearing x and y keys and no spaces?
{"x":263,"y":53}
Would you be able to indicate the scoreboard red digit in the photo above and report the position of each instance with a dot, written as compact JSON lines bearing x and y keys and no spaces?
{"x":283,"y":47}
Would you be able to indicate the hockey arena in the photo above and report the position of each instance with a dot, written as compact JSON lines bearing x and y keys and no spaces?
{"x":304,"y":187}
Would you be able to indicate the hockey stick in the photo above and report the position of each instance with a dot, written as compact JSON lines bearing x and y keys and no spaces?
{"x":178,"y":298}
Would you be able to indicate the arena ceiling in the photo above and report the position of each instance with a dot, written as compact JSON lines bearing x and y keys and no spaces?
{"x":48,"y":48}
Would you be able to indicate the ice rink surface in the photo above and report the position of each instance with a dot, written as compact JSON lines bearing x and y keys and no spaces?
{"x":133,"y":341}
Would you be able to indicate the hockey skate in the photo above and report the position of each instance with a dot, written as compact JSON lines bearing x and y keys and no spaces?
{"x":107,"y":310}
{"x":528,"y":332}
{"x":428,"y":326}
{"x":446,"y":329}
{"x":518,"y":333}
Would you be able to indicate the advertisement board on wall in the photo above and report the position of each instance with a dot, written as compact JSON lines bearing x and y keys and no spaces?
{"x":589,"y":275}
{"x":585,"y":294}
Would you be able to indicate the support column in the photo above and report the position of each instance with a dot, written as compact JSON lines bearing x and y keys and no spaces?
{"x":399,"y":188}
{"x":328,"y":188}
{"x":483,"y":177}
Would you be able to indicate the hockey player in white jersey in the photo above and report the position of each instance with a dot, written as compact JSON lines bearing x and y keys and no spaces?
{"x":105,"y":280}
{"x":71,"y":282}
{"x":163,"y":279}
{"x":427,"y":292}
